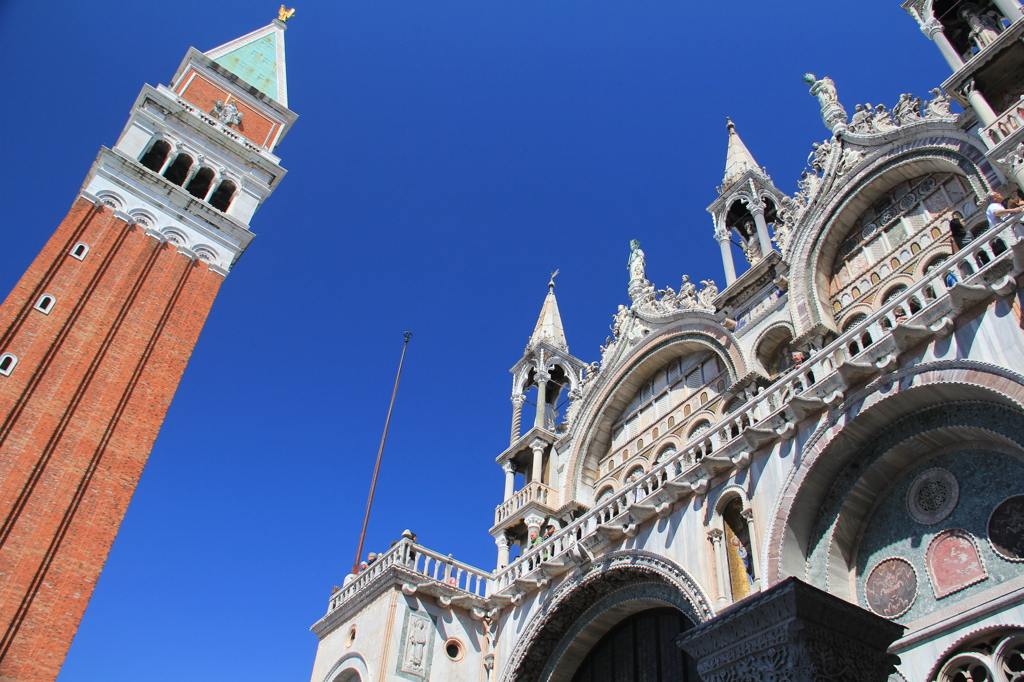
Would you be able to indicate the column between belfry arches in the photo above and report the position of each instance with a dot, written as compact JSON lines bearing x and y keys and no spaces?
{"x":722,"y":235}
{"x":716,"y":536}
{"x":756,"y":207}
{"x":510,"y":479}
{"x":981,"y":107}
{"x":517,"y":417}
{"x":540,"y":421}
{"x":933,"y":29}
{"x":537,"y":445}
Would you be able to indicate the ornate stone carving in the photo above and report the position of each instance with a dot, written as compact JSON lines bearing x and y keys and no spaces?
{"x":708,"y":294}
{"x":881,"y":120}
{"x":793,"y":632}
{"x":687,"y":297}
{"x":818,"y":158}
{"x":1015,"y":158}
{"x":907,"y":110}
{"x":953,"y":562}
{"x":832,"y":112}
{"x":938,"y":106}
{"x":891,"y":587}
{"x":985,"y":27}
{"x":637,"y":263}
{"x":933,"y":496}
{"x":416,"y":647}
{"x":228,"y":114}
{"x":1006,"y":528}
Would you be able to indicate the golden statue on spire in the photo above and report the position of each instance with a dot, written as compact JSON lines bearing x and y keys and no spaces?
{"x":285,"y":14}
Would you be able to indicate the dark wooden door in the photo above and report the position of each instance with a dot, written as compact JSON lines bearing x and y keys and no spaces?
{"x":640,"y":649}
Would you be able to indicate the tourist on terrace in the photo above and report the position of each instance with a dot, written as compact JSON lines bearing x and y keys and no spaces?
{"x":900,"y":315}
{"x":996,"y":211}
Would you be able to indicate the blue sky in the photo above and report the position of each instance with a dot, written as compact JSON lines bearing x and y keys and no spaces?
{"x":447,"y":157}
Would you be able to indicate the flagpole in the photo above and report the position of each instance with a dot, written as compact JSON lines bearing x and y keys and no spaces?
{"x":380,"y":454}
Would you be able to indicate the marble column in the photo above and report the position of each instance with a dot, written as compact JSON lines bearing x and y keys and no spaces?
{"x":517,"y":417}
{"x":796,"y":632}
{"x":986,"y":115}
{"x":716,"y":536}
{"x":722,"y":235}
{"x":541,"y":419}
{"x":533,"y":524}
{"x":1009,"y":8}
{"x":538,"y":445}
{"x":757,"y":210}
{"x":933,"y":29}
{"x":755,"y":554}
{"x":502,"y":542}
{"x":510,"y":479}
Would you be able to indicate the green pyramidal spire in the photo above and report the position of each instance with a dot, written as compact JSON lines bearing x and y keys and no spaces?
{"x":258,"y":59}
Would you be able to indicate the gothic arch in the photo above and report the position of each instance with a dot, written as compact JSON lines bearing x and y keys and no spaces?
{"x":593,"y":424}
{"x":768,"y":343}
{"x":556,"y":639}
{"x":938,"y":147}
{"x":350,"y":668}
{"x":878,"y":410}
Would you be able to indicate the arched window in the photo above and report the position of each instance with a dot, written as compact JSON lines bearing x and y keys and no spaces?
{"x":703,"y":426}
{"x":199,"y":186}
{"x":45,"y":303}
{"x":991,"y":657}
{"x":222,"y":196}
{"x":178,"y":171}
{"x":79,"y":250}
{"x":156,"y":157}
{"x":7,"y":363}
{"x":603,"y":495}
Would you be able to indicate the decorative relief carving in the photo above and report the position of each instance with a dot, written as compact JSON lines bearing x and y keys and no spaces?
{"x":416,"y":647}
{"x":933,"y":496}
{"x":891,"y":587}
{"x":1006,"y":528}
{"x":953,"y":562}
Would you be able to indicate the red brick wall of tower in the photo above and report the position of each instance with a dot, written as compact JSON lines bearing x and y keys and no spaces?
{"x":79,"y":414}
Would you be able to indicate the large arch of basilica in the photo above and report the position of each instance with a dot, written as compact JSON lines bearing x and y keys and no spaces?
{"x":840,"y":422}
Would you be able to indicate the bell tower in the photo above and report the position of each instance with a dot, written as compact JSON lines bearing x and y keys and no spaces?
{"x":981,"y":42}
{"x":747,"y":202}
{"x":95,"y":336}
{"x":548,"y":367}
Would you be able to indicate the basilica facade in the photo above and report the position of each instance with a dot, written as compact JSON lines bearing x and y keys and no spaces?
{"x":846,"y":409}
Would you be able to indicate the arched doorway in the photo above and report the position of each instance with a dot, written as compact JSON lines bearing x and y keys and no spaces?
{"x":641,"y":647}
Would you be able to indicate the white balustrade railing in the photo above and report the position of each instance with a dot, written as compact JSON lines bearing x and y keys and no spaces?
{"x":419,"y":560}
{"x":1009,"y":122}
{"x":534,"y":491}
{"x":764,"y":416}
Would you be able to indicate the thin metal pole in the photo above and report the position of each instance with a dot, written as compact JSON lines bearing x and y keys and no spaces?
{"x":380,"y":455}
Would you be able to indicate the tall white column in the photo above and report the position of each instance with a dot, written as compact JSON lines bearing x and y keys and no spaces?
{"x":755,"y":554}
{"x":538,"y":445}
{"x":517,"y":416}
{"x":510,"y":479}
{"x":722,"y":235}
{"x":716,"y":536}
{"x":933,"y":29}
{"x":540,"y":421}
{"x":533,"y":524}
{"x":1009,"y":8}
{"x":981,"y":107}
{"x":757,"y":210}
{"x":502,"y":542}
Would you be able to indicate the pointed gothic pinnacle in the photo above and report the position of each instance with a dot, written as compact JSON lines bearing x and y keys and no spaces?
{"x":738,"y":158}
{"x":549,"y":324}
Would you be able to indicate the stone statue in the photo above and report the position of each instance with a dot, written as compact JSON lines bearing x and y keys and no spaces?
{"x":285,"y":14}
{"x":808,"y":183}
{"x":687,"y":296}
{"x":669,"y":300}
{"x":861,"y":121}
{"x":938,"y":106}
{"x":228,"y":114}
{"x":907,"y":110}
{"x":985,"y":28}
{"x":882,"y":121}
{"x":818,"y":158}
{"x":708,"y":294}
{"x":782,"y":231}
{"x":619,"y":319}
{"x":752,"y":251}
{"x":832,"y":112}
{"x":637,"y":263}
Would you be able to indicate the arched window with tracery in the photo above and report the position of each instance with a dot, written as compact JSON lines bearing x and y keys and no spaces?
{"x":992,"y":657}
{"x":906,"y":225}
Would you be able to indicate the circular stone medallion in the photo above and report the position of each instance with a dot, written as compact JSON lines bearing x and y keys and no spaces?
{"x":891,"y":588}
{"x":933,"y":496}
{"x":1006,"y":528}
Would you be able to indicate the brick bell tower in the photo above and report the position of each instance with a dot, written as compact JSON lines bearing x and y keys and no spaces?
{"x":95,"y":336}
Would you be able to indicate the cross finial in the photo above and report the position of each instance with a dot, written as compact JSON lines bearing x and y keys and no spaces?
{"x":551,"y":283}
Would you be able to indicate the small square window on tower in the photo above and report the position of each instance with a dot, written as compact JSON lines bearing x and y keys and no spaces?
{"x":45,"y":303}
{"x":80,"y":250}
{"x":7,"y":363}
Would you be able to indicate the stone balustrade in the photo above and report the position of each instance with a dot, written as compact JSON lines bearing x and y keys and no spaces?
{"x":985,"y":267}
{"x":423,"y":567}
{"x":1009,"y":122}
{"x":534,"y":491}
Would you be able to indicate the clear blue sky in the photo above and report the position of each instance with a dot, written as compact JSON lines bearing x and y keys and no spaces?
{"x":448,"y":156}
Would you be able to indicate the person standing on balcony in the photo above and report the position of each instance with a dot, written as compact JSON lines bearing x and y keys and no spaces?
{"x":996,"y":211}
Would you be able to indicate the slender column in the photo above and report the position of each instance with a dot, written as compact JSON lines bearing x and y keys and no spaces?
{"x":716,"y":535}
{"x":933,"y":29}
{"x":502,"y":542}
{"x":533,"y":524}
{"x":755,"y":554}
{"x":542,"y":392}
{"x":980,"y":105}
{"x":1009,"y":8}
{"x":722,"y":235}
{"x":510,"y":479}
{"x":538,"y":445}
{"x":757,"y":210}
{"x":517,"y":416}
{"x":171,"y":156}
{"x":213,"y":188}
